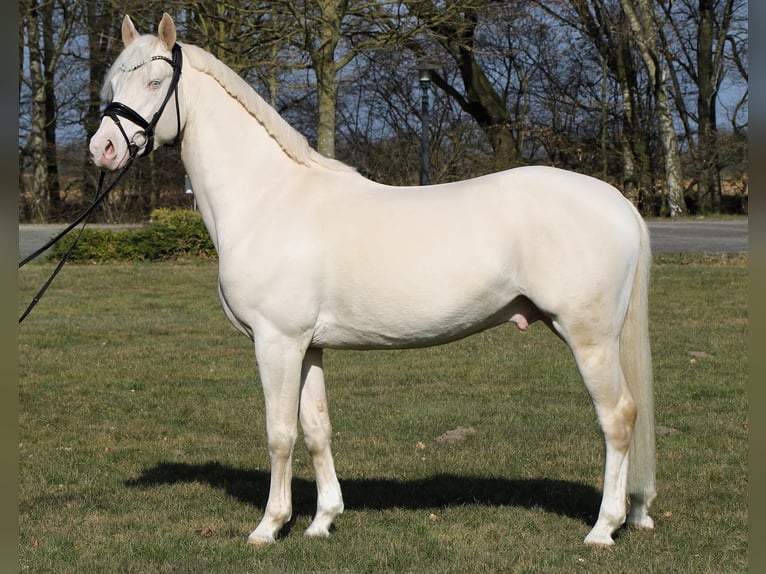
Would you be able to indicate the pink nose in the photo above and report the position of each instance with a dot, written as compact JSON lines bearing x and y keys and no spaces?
{"x":101,"y":153}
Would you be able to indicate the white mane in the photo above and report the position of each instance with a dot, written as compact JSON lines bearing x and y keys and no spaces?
{"x":292,"y":142}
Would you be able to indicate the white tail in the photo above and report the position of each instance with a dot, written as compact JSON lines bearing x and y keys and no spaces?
{"x":636,"y":361}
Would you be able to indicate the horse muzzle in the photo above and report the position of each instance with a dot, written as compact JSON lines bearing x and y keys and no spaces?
{"x":107,"y":151}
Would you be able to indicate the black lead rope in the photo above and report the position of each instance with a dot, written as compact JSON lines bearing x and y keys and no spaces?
{"x":115,"y":110}
{"x":83,"y":218}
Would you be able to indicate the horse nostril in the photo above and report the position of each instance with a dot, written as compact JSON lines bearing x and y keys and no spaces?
{"x":109,"y":151}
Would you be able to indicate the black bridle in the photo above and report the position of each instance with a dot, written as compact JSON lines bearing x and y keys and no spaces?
{"x":115,"y":110}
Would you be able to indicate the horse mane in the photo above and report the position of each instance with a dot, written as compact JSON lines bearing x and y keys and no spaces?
{"x":292,"y":142}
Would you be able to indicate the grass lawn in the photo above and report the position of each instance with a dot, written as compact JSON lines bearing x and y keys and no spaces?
{"x":142,"y":439}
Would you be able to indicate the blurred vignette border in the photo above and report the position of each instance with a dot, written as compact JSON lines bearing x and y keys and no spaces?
{"x":757,"y":287}
{"x":9,"y":16}
{"x":9,"y":169}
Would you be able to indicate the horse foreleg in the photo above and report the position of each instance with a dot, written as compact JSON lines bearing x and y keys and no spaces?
{"x":317,"y":433}
{"x":600,"y":369}
{"x":279,"y":363}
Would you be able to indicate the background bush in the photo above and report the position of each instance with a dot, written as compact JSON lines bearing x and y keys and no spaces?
{"x":171,"y":234}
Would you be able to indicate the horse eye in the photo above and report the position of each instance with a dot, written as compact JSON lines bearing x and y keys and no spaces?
{"x":154,"y":84}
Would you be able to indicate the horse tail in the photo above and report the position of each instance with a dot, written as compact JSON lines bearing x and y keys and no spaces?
{"x":636,"y":361}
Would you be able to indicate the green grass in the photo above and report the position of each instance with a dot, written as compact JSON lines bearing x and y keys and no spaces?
{"x":142,"y":438}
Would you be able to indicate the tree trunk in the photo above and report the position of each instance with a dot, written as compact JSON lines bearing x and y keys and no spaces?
{"x":454,"y":30}
{"x":709,"y":179}
{"x":610,"y":35}
{"x":323,"y":57}
{"x":646,"y":40}
{"x":55,"y":203}
{"x":101,"y":21}
{"x":673,"y":173}
{"x":484,"y":104}
{"x":39,"y":183}
{"x":23,"y":215}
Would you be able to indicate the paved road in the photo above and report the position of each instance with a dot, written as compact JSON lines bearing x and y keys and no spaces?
{"x":699,"y":236}
{"x":667,"y":236}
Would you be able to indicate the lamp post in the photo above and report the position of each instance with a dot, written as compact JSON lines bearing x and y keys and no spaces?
{"x":189,"y":191}
{"x":424,"y":73}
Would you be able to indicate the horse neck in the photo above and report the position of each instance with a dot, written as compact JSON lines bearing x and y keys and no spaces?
{"x":231,"y":159}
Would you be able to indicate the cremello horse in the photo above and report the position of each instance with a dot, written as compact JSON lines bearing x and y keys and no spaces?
{"x":312,"y":255}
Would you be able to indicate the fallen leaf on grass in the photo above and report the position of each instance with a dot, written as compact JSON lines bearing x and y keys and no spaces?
{"x":35,"y":542}
{"x":204,"y":532}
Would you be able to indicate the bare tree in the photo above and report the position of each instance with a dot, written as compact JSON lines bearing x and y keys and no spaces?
{"x":45,"y":33}
{"x":333,"y":33}
{"x":51,"y":50}
{"x":321,"y":27}
{"x":598,"y":86}
{"x":604,"y":25}
{"x":709,"y":74}
{"x":454,"y":27}
{"x":643,"y":21}
{"x":380,"y":125}
{"x":32,"y":21}
{"x":698,"y":31}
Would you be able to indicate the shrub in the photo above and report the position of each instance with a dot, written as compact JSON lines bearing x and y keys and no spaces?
{"x":171,"y":234}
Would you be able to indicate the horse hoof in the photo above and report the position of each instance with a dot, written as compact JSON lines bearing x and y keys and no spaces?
{"x":317,"y":532}
{"x":599,"y":538}
{"x":259,"y":541}
{"x":599,"y":543}
{"x":640,"y":520}
{"x":645,"y":523}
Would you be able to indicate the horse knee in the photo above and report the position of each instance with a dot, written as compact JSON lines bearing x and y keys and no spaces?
{"x":629,"y":410}
{"x":617,"y":422}
{"x":317,"y":438}
{"x":317,"y":430}
{"x":281,"y":444}
{"x":602,"y":374}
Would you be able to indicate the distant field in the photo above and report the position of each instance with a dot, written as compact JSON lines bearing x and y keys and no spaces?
{"x":142,"y":439}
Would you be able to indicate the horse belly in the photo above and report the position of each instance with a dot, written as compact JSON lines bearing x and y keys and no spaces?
{"x":422,"y":301}
{"x":401,"y":330}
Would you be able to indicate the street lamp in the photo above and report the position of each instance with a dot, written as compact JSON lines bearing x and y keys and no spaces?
{"x":189,"y":191}
{"x":424,"y":74}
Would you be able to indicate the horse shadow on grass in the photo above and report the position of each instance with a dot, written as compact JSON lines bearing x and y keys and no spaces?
{"x":571,"y":499}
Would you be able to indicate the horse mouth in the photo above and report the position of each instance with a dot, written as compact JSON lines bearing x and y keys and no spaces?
{"x":122,"y":161}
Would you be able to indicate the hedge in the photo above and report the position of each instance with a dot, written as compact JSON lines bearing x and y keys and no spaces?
{"x":171,"y":234}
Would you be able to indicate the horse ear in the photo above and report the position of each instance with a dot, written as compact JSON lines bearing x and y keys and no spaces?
{"x":129,"y":32}
{"x":167,"y":31}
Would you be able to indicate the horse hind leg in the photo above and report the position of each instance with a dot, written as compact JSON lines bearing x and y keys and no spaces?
{"x":317,"y":433}
{"x":599,"y":365}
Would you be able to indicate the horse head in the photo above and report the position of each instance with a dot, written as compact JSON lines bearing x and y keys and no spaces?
{"x":138,"y":87}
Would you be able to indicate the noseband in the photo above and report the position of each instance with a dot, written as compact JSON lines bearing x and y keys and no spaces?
{"x":117,"y":110}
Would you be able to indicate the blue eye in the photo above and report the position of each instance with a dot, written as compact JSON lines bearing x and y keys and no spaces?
{"x":154,"y":84}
